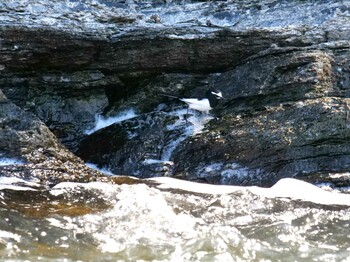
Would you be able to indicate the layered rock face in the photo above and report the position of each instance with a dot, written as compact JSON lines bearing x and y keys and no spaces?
{"x":29,"y":150}
{"x":282,"y":66}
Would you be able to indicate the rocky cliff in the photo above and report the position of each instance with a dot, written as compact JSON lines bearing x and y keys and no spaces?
{"x":282,"y":66}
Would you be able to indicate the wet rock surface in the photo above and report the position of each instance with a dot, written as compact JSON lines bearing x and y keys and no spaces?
{"x":283,"y":67}
{"x":38,"y":154}
{"x":138,"y":147}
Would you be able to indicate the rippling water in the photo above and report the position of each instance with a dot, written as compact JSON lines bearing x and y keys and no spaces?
{"x":165,"y":219}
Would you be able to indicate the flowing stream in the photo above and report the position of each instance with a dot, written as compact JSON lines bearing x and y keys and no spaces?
{"x":164,"y":219}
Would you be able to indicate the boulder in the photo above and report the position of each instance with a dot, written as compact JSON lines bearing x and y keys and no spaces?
{"x":30,"y":151}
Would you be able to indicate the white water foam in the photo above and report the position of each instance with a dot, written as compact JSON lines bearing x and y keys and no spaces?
{"x":14,"y":183}
{"x":296,"y":189}
{"x":5,"y":161}
{"x":330,"y":187}
{"x":197,"y":121}
{"x":102,"y":122}
{"x":103,"y":170}
{"x":156,"y":219}
{"x":285,"y":188}
{"x":5,"y":235}
{"x":157,"y":161}
{"x":196,"y":124}
{"x":64,"y":187}
{"x":130,"y":204}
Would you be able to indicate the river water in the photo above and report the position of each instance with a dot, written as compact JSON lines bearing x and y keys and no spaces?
{"x":165,"y":219}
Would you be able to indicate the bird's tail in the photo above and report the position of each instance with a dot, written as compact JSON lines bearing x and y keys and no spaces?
{"x":167,"y":95}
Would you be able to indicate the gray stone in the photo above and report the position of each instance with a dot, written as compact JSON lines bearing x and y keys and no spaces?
{"x":36,"y":151}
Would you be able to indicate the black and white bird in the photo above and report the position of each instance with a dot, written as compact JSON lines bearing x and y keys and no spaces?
{"x":204,"y":104}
